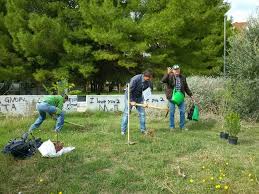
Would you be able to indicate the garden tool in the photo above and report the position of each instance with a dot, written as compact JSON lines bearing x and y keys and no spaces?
{"x":129,"y":142}
{"x":177,"y":97}
{"x":151,"y":106}
{"x":166,"y":114}
{"x":75,"y":124}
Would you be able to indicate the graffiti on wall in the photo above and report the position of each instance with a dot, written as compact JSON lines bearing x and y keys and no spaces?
{"x":117,"y":102}
{"x":104,"y":103}
{"x":71,"y":104}
{"x":26,"y":104}
{"x":9,"y":103}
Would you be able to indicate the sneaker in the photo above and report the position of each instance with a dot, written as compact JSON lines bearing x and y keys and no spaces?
{"x":184,"y":129}
{"x":123,"y":133}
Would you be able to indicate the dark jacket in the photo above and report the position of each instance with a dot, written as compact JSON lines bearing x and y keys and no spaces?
{"x":169,"y":80}
{"x":137,"y":86}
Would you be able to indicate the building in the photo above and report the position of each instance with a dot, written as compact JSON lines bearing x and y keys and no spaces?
{"x":240,"y":25}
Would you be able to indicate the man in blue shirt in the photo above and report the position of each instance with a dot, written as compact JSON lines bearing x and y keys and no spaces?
{"x":137,"y":85}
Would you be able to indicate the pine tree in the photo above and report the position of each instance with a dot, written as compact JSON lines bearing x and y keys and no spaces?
{"x":108,"y":40}
{"x":189,"y":33}
{"x":38,"y":33}
{"x":11,"y":65}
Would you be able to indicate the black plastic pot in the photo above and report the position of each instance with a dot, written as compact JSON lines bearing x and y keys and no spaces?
{"x":223,"y":135}
{"x":232,"y":140}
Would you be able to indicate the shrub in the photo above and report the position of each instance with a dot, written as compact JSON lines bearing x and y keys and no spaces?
{"x":221,"y":95}
{"x":232,"y":123}
{"x":208,"y":91}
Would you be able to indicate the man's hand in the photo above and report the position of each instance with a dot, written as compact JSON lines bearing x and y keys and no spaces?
{"x":145,"y":105}
{"x":133,"y":103}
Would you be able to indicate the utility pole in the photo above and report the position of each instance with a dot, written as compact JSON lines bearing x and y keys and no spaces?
{"x":225,"y":21}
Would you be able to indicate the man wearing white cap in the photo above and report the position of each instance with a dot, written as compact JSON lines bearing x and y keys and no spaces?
{"x":175,"y":81}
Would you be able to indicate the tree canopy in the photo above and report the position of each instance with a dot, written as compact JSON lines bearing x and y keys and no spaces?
{"x":108,"y":40}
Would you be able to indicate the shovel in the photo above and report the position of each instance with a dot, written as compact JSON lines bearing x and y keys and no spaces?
{"x":129,"y":142}
{"x":75,"y":124}
{"x":155,"y":107}
{"x":151,"y":106}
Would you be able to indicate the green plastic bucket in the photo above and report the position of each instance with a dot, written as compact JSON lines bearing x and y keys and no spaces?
{"x":195,"y":115}
{"x":177,"y":97}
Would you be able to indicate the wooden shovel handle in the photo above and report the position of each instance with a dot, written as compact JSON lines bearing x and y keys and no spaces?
{"x":151,"y":106}
{"x":75,"y":124}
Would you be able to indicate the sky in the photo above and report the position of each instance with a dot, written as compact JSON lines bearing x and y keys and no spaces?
{"x":242,"y":9}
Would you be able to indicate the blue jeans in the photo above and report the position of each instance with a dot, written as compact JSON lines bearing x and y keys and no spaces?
{"x":182,"y":114}
{"x":44,"y":108}
{"x":141,"y":112}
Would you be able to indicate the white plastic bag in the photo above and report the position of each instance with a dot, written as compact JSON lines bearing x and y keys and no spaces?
{"x":47,"y":149}
{"x":147,"y":93}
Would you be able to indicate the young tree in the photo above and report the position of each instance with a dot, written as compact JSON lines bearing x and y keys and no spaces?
{"x":243,"y":69}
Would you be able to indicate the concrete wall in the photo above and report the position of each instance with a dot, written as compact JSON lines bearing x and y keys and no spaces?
{"x":25,"y":105}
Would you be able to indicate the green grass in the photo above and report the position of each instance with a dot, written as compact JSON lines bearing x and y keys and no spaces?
{"x":103,"y":163}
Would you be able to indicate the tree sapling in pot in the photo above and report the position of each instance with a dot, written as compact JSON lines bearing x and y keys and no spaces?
{"x":224,"y":135}
{"x":232,"y":120}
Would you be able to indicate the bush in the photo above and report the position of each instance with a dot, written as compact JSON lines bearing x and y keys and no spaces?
{"x":232,"y":123}
{"x":208,"y":92}
{"x":220,"y":96}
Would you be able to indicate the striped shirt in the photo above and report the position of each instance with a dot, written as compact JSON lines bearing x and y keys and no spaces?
{"x":177,"y":83}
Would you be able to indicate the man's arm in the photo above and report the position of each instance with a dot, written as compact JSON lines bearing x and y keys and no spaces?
{"x":132,"y":87}
{"x":165,"y":78}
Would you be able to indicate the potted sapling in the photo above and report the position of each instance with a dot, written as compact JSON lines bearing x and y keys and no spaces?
{"x":225,"y":98}
{"x":224,"y":135}
{"x":233,"y":125}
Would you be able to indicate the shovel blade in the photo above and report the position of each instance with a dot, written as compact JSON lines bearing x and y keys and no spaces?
{"x":131,"y":143}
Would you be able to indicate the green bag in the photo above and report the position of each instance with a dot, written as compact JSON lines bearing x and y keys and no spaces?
{"x":177,"y":97}
{"x":195,"y":115}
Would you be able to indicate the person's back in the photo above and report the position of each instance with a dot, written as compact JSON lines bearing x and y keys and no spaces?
{"x":53,"y":100}
{"x":137,"y":85}
{"x":52,"y":105}
{"x":56,"y":101}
